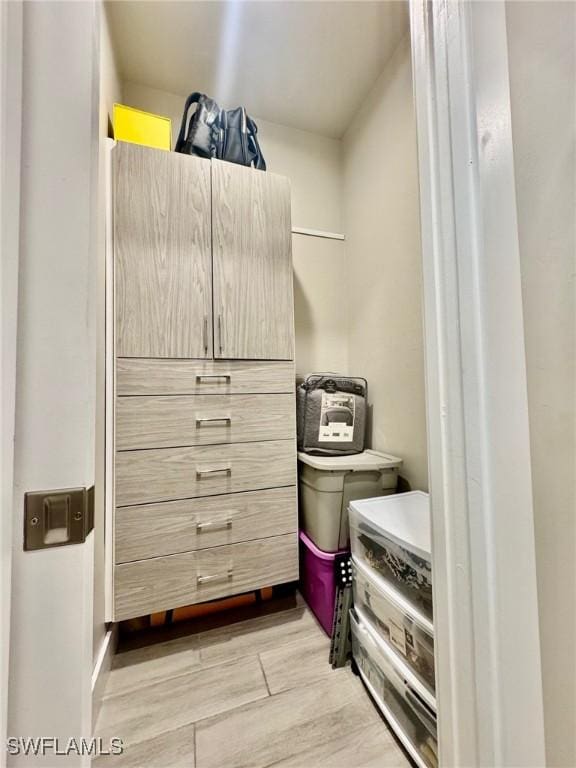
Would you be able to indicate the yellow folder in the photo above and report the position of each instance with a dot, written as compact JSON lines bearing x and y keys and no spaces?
{"x":139,"y":127}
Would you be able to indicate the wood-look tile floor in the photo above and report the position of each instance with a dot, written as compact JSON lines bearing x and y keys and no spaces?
{"x":255,"y":691}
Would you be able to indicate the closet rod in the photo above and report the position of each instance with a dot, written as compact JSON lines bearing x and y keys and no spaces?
{"x":317,"y":233}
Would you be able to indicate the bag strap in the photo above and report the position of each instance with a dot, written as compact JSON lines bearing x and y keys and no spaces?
{"x":353,"y":384}
{"x":194,"y":98}
{"x":222,"y":134}
{"x":258,"y":161}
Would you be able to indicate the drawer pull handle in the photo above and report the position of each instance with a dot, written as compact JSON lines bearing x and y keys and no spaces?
{"x":200,"y":473}
{"x":216,"y":525}
{"x":210,"y":376}
{"x":215,"y":577}
{"x":212,"y":420}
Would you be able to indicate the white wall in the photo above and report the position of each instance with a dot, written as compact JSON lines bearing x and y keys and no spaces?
{"x":383,"y":283}
{"x":542,"y":62}
{"x":313,"y":165}
{"x":320,"y":306}
{"x":110,"y":92}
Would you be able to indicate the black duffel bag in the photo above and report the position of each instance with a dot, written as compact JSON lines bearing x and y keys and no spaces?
{"x":226,"y":134}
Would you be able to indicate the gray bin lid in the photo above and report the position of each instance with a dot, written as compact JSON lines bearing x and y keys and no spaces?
{"x":367,"y":461}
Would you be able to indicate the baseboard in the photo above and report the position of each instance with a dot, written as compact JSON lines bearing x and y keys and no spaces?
{"x":101,"y":670}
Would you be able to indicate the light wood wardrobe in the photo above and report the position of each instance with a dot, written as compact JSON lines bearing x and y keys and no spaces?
{"x":205,"y":456}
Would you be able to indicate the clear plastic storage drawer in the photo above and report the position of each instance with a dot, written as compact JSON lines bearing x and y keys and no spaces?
{"x":409,"y":633}
{"x":408,"y":707}
{"x":391,"y":535}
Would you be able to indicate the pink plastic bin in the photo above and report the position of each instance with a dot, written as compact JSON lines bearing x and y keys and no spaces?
{"x":317,"y":580}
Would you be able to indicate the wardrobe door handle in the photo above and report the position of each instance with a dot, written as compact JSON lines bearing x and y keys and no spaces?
{"x":220,"y":338}
{"x":200,"y":473}
{"x":205,"y":333}
{"x":216,"y":525}
{"x":212,"y":420}
{"x":215,"y":577}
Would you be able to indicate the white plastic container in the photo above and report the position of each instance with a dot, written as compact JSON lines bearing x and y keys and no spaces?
{"x":391,"y":535}
{"x":406,"y":630}
{"x":328,"y":484}
{"x":405,"y":703}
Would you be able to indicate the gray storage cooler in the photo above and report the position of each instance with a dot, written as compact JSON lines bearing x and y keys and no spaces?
{"x":328,"y":484}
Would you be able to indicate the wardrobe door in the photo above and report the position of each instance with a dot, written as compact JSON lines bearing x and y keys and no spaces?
{"x":162,"y":244}
{"x":252,"y":261}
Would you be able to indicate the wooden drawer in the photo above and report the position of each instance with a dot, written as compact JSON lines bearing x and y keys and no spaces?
{"x":146,"y":586}
{"x":171,"y":421}
{"x":142,"y":376}
{"x":151,"y":530}
{"x":165,"y":474}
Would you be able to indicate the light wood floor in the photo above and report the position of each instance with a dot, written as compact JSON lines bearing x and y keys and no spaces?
{"x":252,"y":693}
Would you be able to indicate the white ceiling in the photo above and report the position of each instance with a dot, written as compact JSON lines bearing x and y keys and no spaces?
{"x":306,"y":64}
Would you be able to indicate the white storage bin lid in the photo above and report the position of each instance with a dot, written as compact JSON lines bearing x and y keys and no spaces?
{"x":402,"y":517}
{"x":367,"y":461}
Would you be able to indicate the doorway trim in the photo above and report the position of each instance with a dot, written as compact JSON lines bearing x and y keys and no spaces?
{"x":486,"y":614}
{"x":10,"y":143}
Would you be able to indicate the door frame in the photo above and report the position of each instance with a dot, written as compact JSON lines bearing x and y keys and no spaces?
{"x":10,"y":141}
{"x":489,"y":687}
